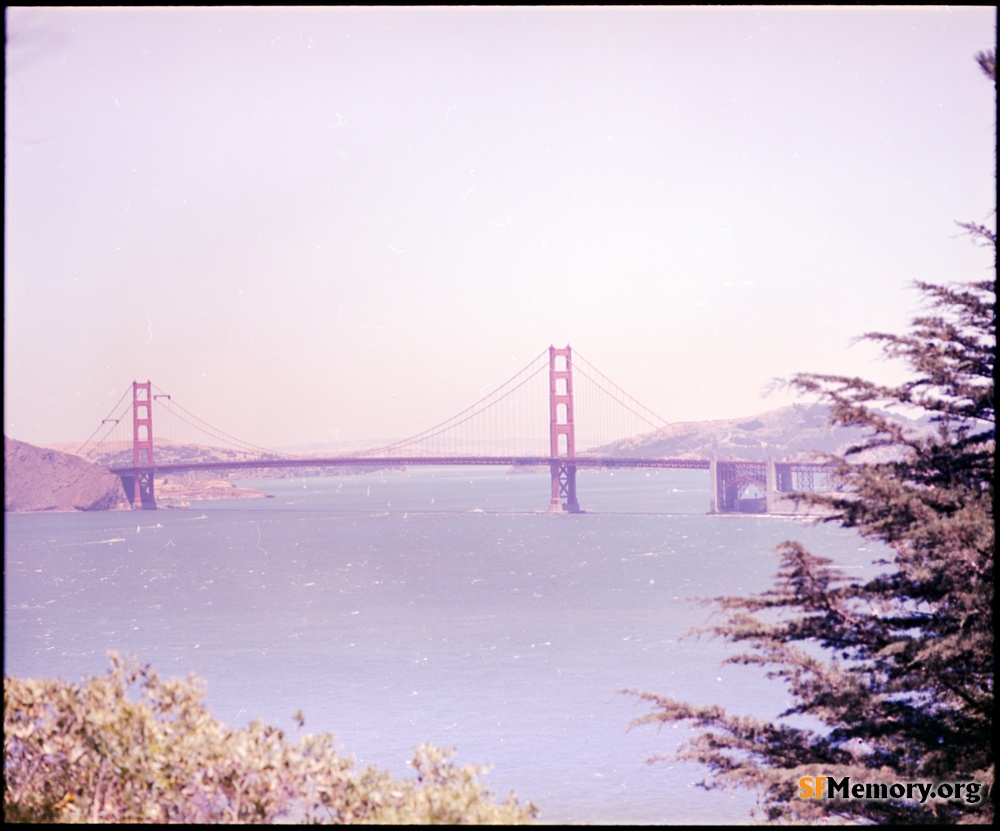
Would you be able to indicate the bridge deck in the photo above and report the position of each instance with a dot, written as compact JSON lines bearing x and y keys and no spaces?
{"x":409,"y":461}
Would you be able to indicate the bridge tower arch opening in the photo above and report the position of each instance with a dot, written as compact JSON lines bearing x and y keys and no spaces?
{"x":142,"y":494}
{"x":562,"y":435}
{"x":743,"y":486}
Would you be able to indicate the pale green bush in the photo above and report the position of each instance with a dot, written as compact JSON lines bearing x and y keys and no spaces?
{"x":131,"y":747}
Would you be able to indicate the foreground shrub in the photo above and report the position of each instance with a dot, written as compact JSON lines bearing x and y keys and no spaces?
{"x":130,"y":746}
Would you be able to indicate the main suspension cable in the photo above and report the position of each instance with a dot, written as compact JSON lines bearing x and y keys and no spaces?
{"x":469,"y":412}
{"x":111,"y":419}
{"x":661,"y":427}
{"x":185,"y":415}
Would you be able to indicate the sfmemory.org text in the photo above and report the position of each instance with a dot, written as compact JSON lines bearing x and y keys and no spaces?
{"x":817,"y":787}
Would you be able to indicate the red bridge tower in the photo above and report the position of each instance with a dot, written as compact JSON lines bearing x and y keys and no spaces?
{"x":562,"y":439}
{"x":142,"y":445}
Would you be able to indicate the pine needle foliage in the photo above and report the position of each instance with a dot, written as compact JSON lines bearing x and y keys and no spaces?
{"x":891,"y":680}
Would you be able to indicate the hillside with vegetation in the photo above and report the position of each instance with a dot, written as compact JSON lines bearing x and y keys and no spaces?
{"x":799,"y":432}
{"x":132,"y":747}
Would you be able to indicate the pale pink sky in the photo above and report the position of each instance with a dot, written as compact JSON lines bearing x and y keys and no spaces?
{"x":318,"y":221}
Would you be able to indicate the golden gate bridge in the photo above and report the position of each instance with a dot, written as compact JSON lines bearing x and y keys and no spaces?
{"x":558,"y":413}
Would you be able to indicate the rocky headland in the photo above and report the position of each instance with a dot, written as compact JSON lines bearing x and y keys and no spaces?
{"x":50,"y":479}
{"x":41,"y":479}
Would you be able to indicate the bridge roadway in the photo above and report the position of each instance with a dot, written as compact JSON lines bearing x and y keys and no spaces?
{"x":408,"y":461}
{"x":729,"y":479}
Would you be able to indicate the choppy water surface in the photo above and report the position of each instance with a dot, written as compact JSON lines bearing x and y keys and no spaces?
{"x":434,"y":605}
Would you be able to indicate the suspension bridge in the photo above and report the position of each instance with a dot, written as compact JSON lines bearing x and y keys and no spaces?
{"x":558,"y":413}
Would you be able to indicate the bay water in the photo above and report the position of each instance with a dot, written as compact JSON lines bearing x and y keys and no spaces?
{"x":441,"y":605}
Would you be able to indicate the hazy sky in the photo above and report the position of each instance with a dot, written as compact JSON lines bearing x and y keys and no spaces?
{"x":309,"y":223}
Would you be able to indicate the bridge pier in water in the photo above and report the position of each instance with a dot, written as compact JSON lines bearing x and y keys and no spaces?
{"x":564,"y":488}
{"x":139,"y":490}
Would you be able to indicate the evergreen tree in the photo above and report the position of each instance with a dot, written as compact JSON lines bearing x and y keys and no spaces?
{"x":894,"y":675}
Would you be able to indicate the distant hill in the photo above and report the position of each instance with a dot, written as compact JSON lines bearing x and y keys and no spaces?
{"x":179,"y":489}
{"x":119,"y":454}
{"x":798,"y":432}
{"x":170,"y":452}
{"x":40,"y":479}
